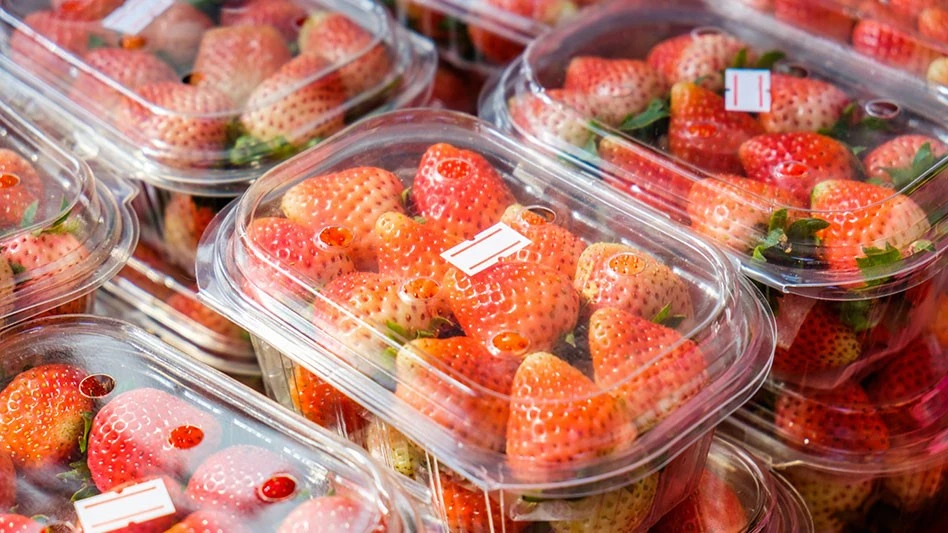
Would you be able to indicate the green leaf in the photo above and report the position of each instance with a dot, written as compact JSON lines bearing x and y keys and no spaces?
{"x":96,"y":41}
{"x":29,"y":216}
{"x":922,"y":245}
{"x":875,"y":124}
{"x":17,"y":268}
{"x":804,"y":229}
{"x":856,"y":314}
{"x":769,"y":59}
{"x":248,"y":149}
{"x":856,"y":150}
{"x":591,"y":146}
{"x":876,"y":260}
{"x":570,"y":339}
{"x":662,"y":314}
{"x":778,"y":220}
{"x":840,"y":128}
{"x":397,"y":329}
{"x":758,"y":256}
{"x":86,"y":426}
{"x":657,"y":110}
{"x":665,"y":318}
{"x":740,"y":60}
{"x":924,"y":159}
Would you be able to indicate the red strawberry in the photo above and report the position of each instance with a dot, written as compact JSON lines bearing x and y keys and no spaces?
{"x":466,"y":510}
{"x":84,"y":9}
{"x":364,"y":63}
{"x":203,"y":315}
{"x":898,"y":161}
{"x":690,"y":57}
{"x":651,"y":367}
{"x":823,"y":342}
{"x":184,"y":224}
{"x":914,"y":490}
{"x":802,"y":104}
{"x":411,"y":249}
{"x":235,"y":60}
{"x":911,"y":8}
{"x":284,"y":15}
{"x":330,"y":513}
{"x":514,"y":307}
{"x":323,"y":404}
{"x":830,"y":497}
{"x":703,"y":133}
{"x":41,"y":416}
{"x":311,"y":111}
{"x":146,"y":432}
{"x":241,"y":481}
{"x":208,"y":521}
{"x":279,"y":243}
{"x":44,"y":255}
{"x":559,"y":417}
{"x":938,"y":71}
{"x":32,"y":52}
{"x":460,"y":189}
{"x":909,"y":388}
{"x":352,"y":199}
{"x":7,"y":481}
{"x":864,"y":216}
{"x":714,"y":507}
{"x":550,"y":243}
{"x":478,"y":417}
{"x":616,"y":88}
{"x":889,"y":45}
{"x":796,"y":161}
{"x":187,"y":131}
{"x":841,"y":420}
{"x":20,"y":187}
{"x":561,"y":117}
{"x":620,"y":276}
{"x":498,"y":49}
{"x":14,"y":523}
{"x":815,"y":16}
{"x":618,"y":511}
{"x":455,"y":89}
{"x":933,"y":23}
{"x":128,"y":68}
{"x":735,"y":211}
{"x":176,"y":33}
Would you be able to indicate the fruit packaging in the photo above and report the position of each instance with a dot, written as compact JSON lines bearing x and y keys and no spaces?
{"x":129,"y":410}
{"x":833,"y":201}
{"x":62,"y":231}
{"x":333,"y":262}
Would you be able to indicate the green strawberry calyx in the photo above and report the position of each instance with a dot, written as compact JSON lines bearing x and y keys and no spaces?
{"x":924,"y":159}
{"x":781,"y":238}
{"x":664,"y":317}
{"x":847,"y":124}
{"x":650,"y":123}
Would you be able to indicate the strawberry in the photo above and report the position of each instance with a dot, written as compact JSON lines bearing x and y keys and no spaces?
{"x":550,"y":244}
{"x":911,"y":8}
{"x":44,"y":255}
{"x":559,"y":417}
{"x":478,"y":417}
{"x":7,"y":481}
{"x":891,"y":46}
{"x":651,"y":367}
{"x":865,"y":218}
{"x":20,"y":188}
{"x":703,"y":133}
{"x":693,"y":57}
{"x":938,"y":71}
{"x":185,"y":220}
{"x":323,"y":404}
{"x":311,"y":111}
{"x":242,"y":480}
{"x":235,"y":60}
{"x":455,"y":89}
{"x":802,"y":104}
{"x":831,"y":421}
{"x":902,"y":159}
{"x":912,"y":491}
{"x":14,"y":523}
{"x":620,"y":276}
{"x":822,"y":343}
{"x":208,"y":521}
{"x":330,"y":513}
{"x":32,"y":51}
{"x":7,"y":284}
{"x":364,"y":62}
{"x":352,"y":199}
{"x":176,"y":33}
{"x":146,"y":432}
{"x":618,"y":511}
{"x":796,"y":161}
{"x":284,"y":15}
{"x":713,"y":507}
{"x":912,"y":378}
{"x":933,"y":23}
{"x":561,"y":117}
{"x":491,"y":47}
{"x":616,"y":88}
{"x":127,"y":68}
{"x":513,"y":307}
{"x":84,"y":9}
{"x":393,"y":449}
{"x":203,"y":315}
{"x":279,"y":243}
{"x":188,"y":129}
{"x":829,"y":496}
{"x":410,"y":249}
{"x":466,"y":510}
{"x":815,"y":16}
{"x":735,"y":211}
{"x":42,"y":415}
{"x":460,"y":189}
{"x":498,"y":49}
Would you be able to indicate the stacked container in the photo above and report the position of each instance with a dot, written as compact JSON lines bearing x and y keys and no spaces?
{"x":155,"y":440}
{"x":327,"y":266}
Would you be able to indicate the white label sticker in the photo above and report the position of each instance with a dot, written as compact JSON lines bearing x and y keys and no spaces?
{"x":114,"y":510}
{"x":135,"y":15}
{"x":486,"y":248}
{"x":747,"y":90}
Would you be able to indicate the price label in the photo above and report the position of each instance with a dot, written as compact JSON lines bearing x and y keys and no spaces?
{"x":135,"y":15}
{"x":747,"y":90}
{"x":114,"y":510}
{"x":486,"y":248}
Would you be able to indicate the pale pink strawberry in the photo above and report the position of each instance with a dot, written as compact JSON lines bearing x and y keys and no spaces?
{"x":410,"y":249}
{"x":626,"y":278}
{"x":20,"y":188}
{"x":32,"y":51}
{"x":242,"y":480}
{"x":84,"y":9}
{"x":129,"y":69}
{"x":364,"y":61}
{"x":293,"y":106}
{"x":893,"y":46}
{"x":933,"y":23}
{"x":460,"y":189}
{"x":176,"y":33}
{"x":557,"y":116}
{"x":616,"y":88}
{"x":331,"y":513}
{"x":551,"y":244}
{"x":695,"y":56}
{"x":351,"y":199}
{"x":895,"y":162}
{"x":284,"y":15}
{"x":44,"y":255}
{"x":802,"y":104}
{"x":179,"y":124}
{"x":235,"y":60}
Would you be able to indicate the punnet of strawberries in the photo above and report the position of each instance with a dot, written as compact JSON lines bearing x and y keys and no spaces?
{"x":93,"y":408}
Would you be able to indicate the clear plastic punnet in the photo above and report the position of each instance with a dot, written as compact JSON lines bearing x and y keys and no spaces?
{"x":828,"y":190}
{"x":541,"y":337}
{"x":146,"y":439}
{"x":866,"y":455}
{"x":62,"y":231}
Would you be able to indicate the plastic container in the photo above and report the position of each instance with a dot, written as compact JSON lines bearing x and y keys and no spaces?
{"x":866,"y":456}
{"x":693,"y":287}
{"x":828,"y":295}
{"x":909,"y":36}
{"x":249,"y":465}
{"x":62,"y":231}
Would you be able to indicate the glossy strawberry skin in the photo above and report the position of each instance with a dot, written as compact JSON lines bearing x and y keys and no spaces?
{"x":363,"y":64}
{"x":176,"y":33}
{"x":830,"y":497}
{"x":43,"y":256}
{"x":14,"y":523}
{"x":616,"y":88}
{"x":20,"y":187}
{"x":689,"y":57}
{"x":889,"y":45}
{"x":128,"y":68}
{"x":410,"y":249}
{"x":184,"y":223}
{"x":323,"y":404}
{"x":32,"y":54}
{"x":822,"y":343}
{"x":550,"y":243}
{"x":284,"y":15}
{"x":816,"y":17}
{"x":713,"y":507}
{"x":899,"y":153}
{"x":564,"y":118}
{"x":467,"y":509}
{"x":802,"y":104}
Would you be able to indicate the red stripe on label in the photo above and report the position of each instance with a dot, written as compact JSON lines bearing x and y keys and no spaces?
{"x":735,"y":89}
{"x":760,"y":90}
{"x":127,"y":517}
{"x":126,"y":494}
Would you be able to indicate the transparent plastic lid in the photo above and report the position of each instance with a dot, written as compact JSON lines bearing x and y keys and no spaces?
{"x":202,"y":97}
{"x":459,"y":285}
{"x":62,"y":232}
{"x":147,"y":436}
{"x":821,"y":184}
